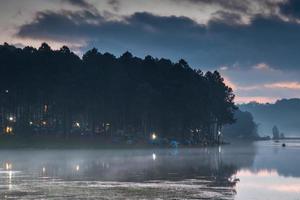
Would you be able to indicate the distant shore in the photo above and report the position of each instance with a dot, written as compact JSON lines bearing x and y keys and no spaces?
{"x":289,"y":138}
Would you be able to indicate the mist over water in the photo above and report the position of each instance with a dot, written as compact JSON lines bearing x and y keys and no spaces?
{"x":226,"y":172}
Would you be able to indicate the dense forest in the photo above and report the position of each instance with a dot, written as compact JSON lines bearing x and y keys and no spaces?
{"x":245,"y":128}
{"x":45,"y":91}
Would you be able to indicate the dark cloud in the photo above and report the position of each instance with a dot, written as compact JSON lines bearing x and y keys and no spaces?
{"x":82,"y":4}
{"x":227,"y":17}
{"x":288,"y":8}
{"x":265,"y":40}
{"x":61,"y":26}
{"x":236,"y":5}
{"x":115,"y":4}
{"x":291,"y":8}
{"x":244,"y":7}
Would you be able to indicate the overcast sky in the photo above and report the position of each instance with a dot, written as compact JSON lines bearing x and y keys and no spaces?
{"x":255,"y":44}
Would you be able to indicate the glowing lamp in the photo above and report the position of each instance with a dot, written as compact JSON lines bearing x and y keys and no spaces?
{"x":8,"y":130}
{"x":77,"y":124}
{"x":153,"y":136}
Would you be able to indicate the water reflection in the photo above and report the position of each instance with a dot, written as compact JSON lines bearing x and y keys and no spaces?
{"x":265,"y":182}
{"x":227,"y":172}
{"x":77,"y":167}
{"x":153,"y":156}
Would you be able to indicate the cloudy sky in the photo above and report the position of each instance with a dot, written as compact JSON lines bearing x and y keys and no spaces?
{"x":255,"y":44}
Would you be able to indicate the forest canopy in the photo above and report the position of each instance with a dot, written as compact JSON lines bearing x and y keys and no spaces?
{"x":45,"y":91}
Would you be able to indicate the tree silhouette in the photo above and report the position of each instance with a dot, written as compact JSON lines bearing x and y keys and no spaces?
{"x":56,"y":92}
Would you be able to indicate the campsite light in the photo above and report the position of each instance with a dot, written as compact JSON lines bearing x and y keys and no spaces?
{"x":153,"y":136}
{"x":77,"y":124}
{"x":8,"y":130}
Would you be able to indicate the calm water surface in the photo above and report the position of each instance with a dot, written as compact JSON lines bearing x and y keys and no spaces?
{"x":262,"y":170}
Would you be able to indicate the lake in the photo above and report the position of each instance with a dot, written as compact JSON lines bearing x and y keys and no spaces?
{"x":262,"y":170}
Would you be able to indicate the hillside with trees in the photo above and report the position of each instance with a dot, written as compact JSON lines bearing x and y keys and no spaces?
{"x":284,"y":114}
{"x":45,"y":91}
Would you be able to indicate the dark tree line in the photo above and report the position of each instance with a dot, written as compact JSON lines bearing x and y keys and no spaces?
{"x":244,"y":128}
{"x":45,"y":91}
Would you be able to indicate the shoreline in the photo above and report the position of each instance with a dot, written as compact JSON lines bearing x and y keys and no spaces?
{"x":50,"y":142}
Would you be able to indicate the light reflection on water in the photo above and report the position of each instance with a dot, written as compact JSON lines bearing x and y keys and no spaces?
{"x":227,"y":172}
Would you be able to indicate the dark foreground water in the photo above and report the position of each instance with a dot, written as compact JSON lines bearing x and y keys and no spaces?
{"x":262,"y":170}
